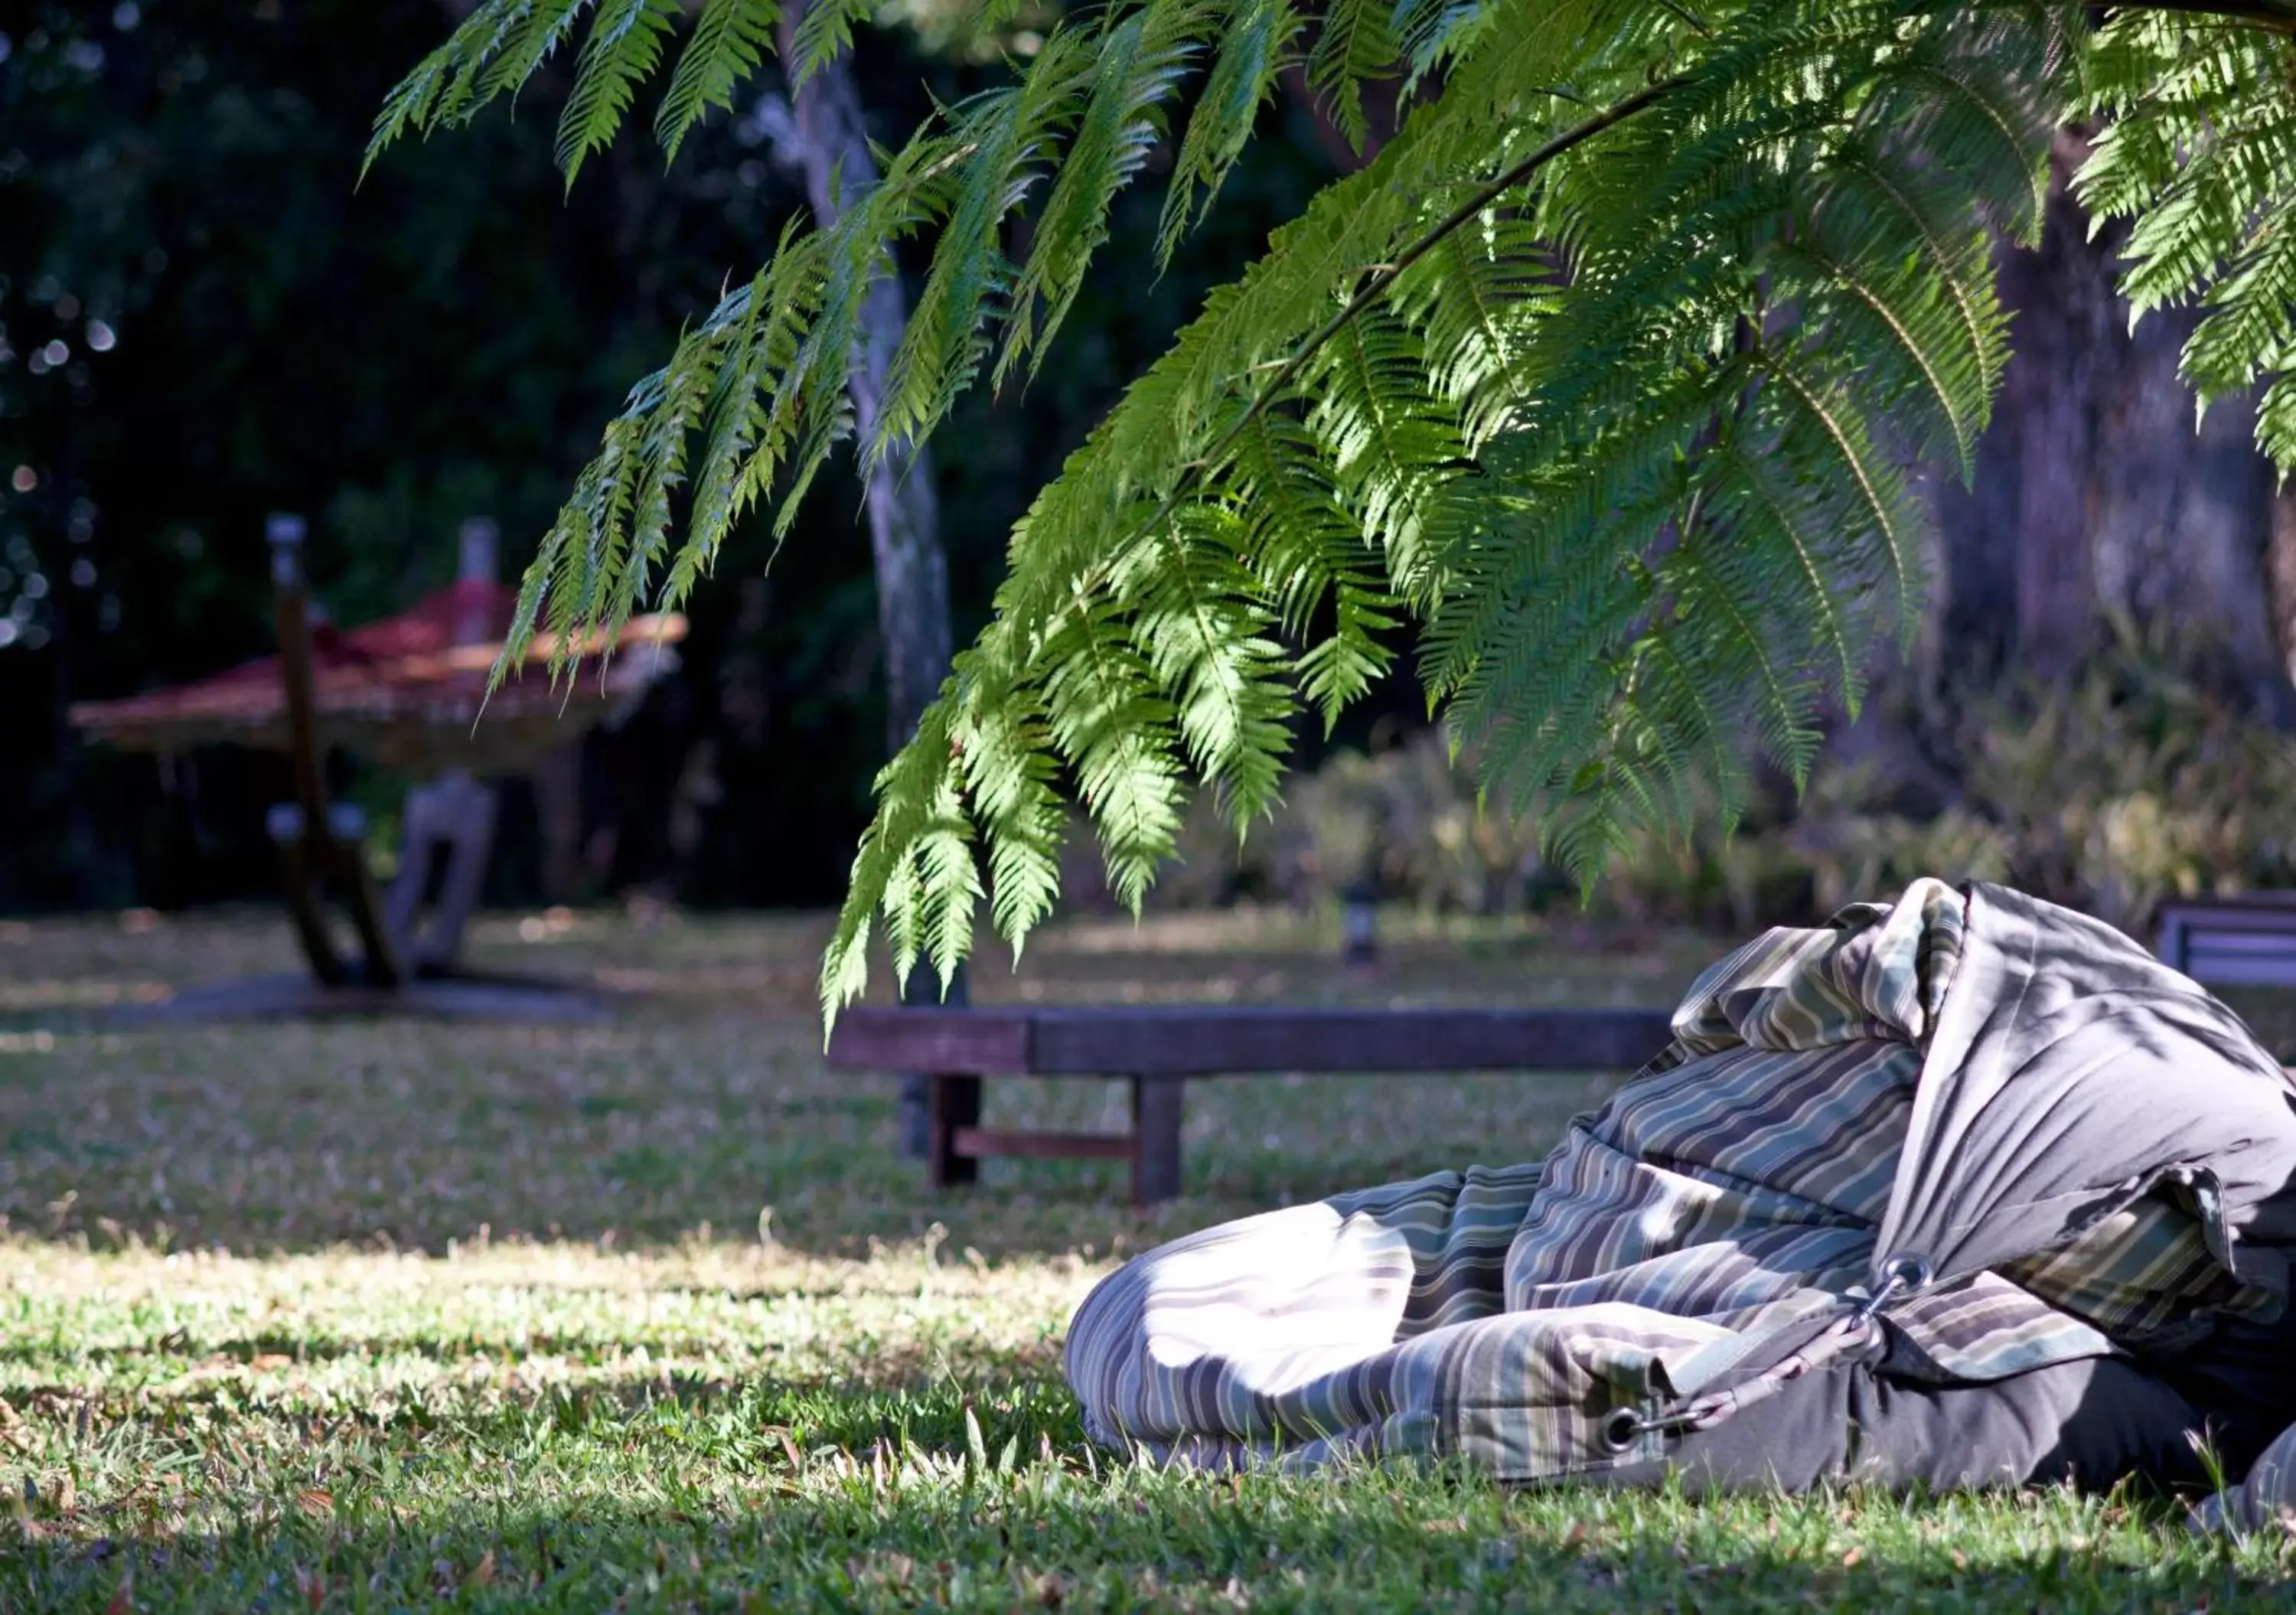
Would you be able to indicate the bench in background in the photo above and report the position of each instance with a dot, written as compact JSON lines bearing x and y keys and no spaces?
{"x":2242,"y":941}
{"x":1159,"y":1048}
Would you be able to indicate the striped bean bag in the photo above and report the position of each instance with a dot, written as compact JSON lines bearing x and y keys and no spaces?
{"x":1967,"y":1133}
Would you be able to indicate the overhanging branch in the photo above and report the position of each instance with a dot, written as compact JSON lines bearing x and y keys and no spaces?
{"x":2278,"y":19}
{"x":2277,"y":16}
{"x":1388,"y":274}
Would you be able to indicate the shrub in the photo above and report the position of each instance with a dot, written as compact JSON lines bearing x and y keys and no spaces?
{"x":2136,"y":780}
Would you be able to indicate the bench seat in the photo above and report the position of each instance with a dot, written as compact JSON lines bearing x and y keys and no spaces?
{"x":1161,"y":1047}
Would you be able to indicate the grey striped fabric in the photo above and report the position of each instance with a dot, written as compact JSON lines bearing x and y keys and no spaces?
{"x":1728,"y":1192}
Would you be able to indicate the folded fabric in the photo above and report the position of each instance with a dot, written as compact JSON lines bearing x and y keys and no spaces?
{"x":1967,"y":1142}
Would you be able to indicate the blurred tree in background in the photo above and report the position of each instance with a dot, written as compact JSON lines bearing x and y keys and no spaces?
{"x":204,"y":318}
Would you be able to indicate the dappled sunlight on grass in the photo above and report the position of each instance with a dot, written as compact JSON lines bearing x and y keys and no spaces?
{"x":367,"y":1314}
{"x":705,"y":1100}
{"x":374,"y":1333}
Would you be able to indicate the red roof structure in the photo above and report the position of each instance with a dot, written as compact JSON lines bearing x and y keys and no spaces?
{"x":409,"y":690}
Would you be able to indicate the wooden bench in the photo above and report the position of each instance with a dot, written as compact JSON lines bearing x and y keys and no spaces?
{"x":1160,"y":1048}
{"x":2241,"y":941}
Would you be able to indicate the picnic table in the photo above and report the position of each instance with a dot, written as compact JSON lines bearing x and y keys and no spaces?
{"x":1160,"y":1048}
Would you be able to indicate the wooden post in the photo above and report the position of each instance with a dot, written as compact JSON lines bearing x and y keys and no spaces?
{"x":345,"y":845}
{"x":322,"y":846}
{"x":1156,"y":1111}
{"x":951,"y":1102}
{"x":304,"y":904}
{"x":298,"y":829}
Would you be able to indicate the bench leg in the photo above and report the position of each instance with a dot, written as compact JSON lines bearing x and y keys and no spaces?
{"x":1156,"y":1104}
{"x":950,"y":1102}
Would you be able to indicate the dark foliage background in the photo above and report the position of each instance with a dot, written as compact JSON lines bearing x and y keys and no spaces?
{"x":204,"y":318}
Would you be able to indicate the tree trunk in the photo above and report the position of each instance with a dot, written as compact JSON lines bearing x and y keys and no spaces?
{"x":913,"y":616}
{"x":2094,"y":496}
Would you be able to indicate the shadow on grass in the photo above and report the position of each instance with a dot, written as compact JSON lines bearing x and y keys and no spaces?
{"x":298,"y":1139}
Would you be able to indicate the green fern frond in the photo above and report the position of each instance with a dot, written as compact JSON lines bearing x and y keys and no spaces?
{"x":2198,"y":152}
{"x":1211,"y":645}
{"x":1957,"y":260}
{"x":1355,"y":47}
{"x":1396,"y":450}
{"x":824,"y":33}
{"x":1140,"y":62}
{"x":511,"y":61}
{"x":911,"y":789}
{"x":453,"y":81}
{"x":1477,"y":298}
{"x":1116,"y":730}
{"x":1005,"y":750}
{"x":624,"y":48}
{"x":1806,"y":592}
{"x":1008,"y":136}
{"x":1256,"y":43}
{"x":1972,"y":119}
{"x":1821,"y":423}
{"x":731,"y":40}
{"x":2276,"y":414}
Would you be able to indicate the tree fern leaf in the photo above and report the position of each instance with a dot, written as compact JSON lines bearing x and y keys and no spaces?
{"x":2276,"y":419}
{"x":1879,"y":492}
{"x":2253,"y":312}
{"x":1895,"y":315}
{"x":1804,"y":591}
{"x":1116,"y":733}
{"x":623,"y":49}
{"x":1355,"y":46}
{"x":824,"y":33}
{"x":1005,"y":749}
{"x":1206,"y":637}
{"x":730,"y":42}
{"x":414,"y":103}
{"x":517,"y":57}
{"x":1973,"y":120}
{"x":971,"y":277}
{"x":1395,"y":447}
{"x":1141,"y":61}
{"x":1958,"y":259}
{"x":1602,"y":375}
{"x":1252,"y":52}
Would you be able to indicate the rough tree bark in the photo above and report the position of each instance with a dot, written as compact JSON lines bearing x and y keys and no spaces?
{"x":912,"y":570}
{"x":2095,"y":496}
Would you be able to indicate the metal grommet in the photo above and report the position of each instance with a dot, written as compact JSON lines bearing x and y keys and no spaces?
{"x":1904,"y":1273}
{"x":1620,"y":1428}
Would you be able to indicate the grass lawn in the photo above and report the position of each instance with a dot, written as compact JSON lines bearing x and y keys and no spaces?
{"x":373,"y":1316}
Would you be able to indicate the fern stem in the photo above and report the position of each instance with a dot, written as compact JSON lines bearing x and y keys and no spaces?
{"x":2266,"y":14}
{"x":1689,"y":16}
